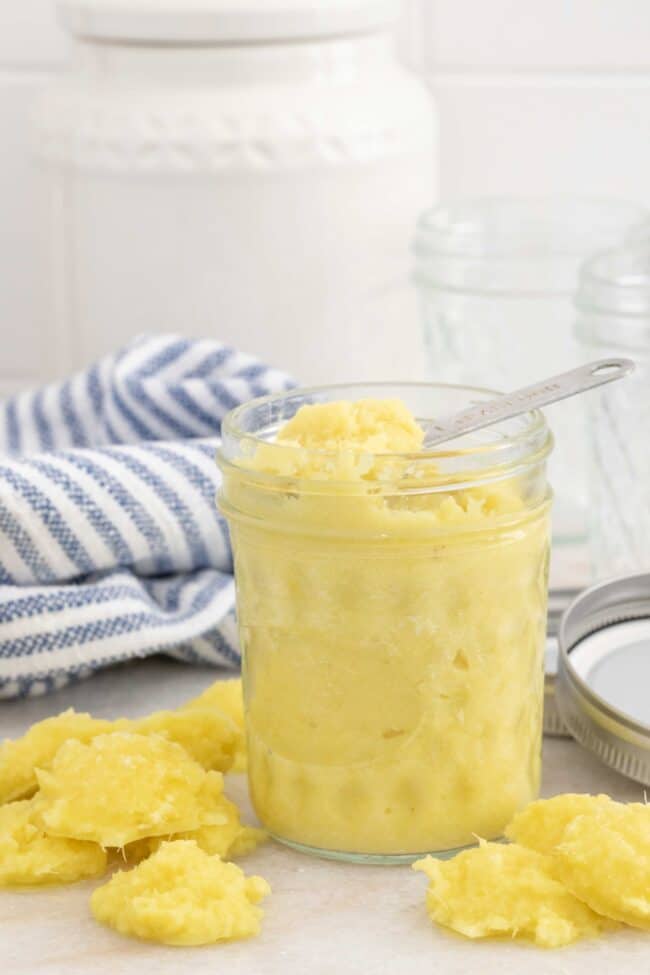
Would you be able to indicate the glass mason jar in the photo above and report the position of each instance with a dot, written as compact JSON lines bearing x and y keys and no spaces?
{"x":613,"y":302}
{"x":497,"y":279}
{"x":392,"y":627}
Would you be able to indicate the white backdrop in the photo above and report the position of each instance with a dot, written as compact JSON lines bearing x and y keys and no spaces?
{"x":534,"y":98}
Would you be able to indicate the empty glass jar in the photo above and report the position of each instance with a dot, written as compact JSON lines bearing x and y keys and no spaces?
{"x":613,"y":303}
{"x":497,"y":279}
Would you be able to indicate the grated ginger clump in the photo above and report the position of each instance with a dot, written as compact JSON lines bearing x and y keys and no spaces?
{"x":29,"y":856}
{"x":344,"y":440}
{"x":601,"y":850}
{"x":122,"y":787}
{"x":227,"y":839}
{"x":375,"y":425}
{"x":19,"y":759}
{"x":150,"y":790}
{"x":227,"y":697}
{"x":182,"y":896}
{"x":210,"y":728}
{"x":211,"y":737}
{"x":494,"y":890}
{"x":540,"y":825}
{"x":604,"y":859}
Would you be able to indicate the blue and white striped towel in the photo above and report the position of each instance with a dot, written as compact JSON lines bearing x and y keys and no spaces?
{"x":110,"y":543}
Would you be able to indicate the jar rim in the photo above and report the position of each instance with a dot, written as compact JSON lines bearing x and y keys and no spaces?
{"x":496,"y":227}
{"x":517,"y":247}
{"x":490,"y":454}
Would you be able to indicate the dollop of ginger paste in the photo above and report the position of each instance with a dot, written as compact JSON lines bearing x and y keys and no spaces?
{"x":28,"y":856}
{"x":496,"y":890}
{"x":227,"y":697}
{"x":182,"y":896}
{"x":378,"y":426}
{"x":210,"y":728}
{"x":209,"y":735}
{"x":541,"y":825}
{"x":600,"y":848}
{"x":227,"y":839}
{"x":604,"y":859}
{"x":19,"y":759}
{"x":121,"y":787}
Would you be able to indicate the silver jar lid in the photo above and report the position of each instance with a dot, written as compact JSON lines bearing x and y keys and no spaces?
{"x":603,"y":681}
{"x":554,"y":726}
{"x":558,"y":600}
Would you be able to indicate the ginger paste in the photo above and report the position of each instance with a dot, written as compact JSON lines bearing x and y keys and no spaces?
{"x":392,"y":636}
{"x":19,"y":759}
{"x":227,"y":839}
{"x":604,"y":859}
{"x":122,"y":787}
{"x":29,"y":856}
{"x":226,"y":697}
{"x":601,"y":851}
{"x":541,"y":825}
{"x":496,"y":890}
{"x":182,"y":896}
{"x":207,"y":732}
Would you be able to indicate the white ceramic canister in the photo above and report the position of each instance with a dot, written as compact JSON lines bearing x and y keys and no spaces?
{"x":246,"y":169}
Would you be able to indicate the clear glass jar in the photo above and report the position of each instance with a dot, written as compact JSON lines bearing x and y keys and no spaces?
{"x":613,"y":302}
{"x":392,"y":626}
{"x":496,"y":279}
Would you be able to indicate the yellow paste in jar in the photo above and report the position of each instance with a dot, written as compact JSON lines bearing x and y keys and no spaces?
{"x":392,"y":640}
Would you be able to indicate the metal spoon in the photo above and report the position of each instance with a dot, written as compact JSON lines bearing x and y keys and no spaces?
{"x":484,"y":414}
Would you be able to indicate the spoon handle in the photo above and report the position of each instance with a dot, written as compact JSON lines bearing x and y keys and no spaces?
{"x":484,"y":414}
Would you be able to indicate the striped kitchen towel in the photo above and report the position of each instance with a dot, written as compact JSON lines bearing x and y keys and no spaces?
{"x":111,"y":546}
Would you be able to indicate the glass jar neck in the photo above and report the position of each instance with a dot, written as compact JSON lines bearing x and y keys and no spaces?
{"x":496,"y":453}
{"x":517,"y":248}
{"x":337,"y":60}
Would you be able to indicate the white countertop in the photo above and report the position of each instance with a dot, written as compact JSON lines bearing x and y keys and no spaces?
{"x":323,"y":918}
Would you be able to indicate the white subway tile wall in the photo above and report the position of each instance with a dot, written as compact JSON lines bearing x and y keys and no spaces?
{"x":534,"y":97}
{"x":30,"y":35}
{"x":521,"y":134}
{"x":552,"y":35}
{"x":23,"y":311}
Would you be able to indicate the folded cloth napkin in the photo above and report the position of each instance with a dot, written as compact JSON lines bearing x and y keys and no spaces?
{"x":111,"y":546}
